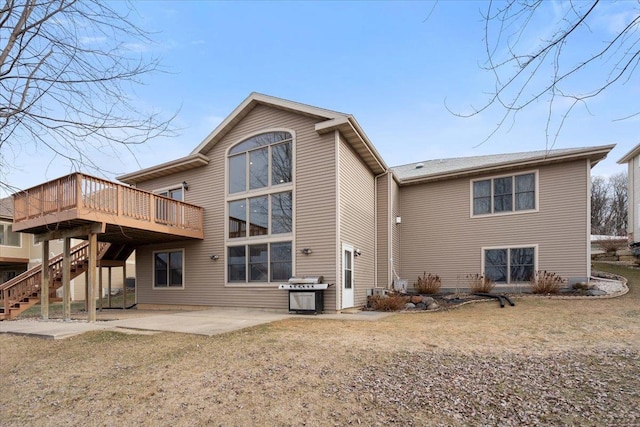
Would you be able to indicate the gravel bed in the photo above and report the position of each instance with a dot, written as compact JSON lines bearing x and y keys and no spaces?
{"x":443,"y":389}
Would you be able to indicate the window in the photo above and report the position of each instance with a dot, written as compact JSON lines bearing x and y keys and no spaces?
{"x":262,"y":161}
{"x":267,"y":215}
{"x":263,"y":262}
{"x":260,"y":209}
{"x":509,"y":265}
{"x":168,"y":211}
{"x":167,"y":269}
{"x":7,"y":236}
{"x":504,"y":194}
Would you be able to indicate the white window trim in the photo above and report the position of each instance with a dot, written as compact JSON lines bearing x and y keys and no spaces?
{"x":509,"y":247}
{"x":3,"y":224}
{"x":265,"y":191}
{"x":153,"y":270}
{"x":536,"y":175}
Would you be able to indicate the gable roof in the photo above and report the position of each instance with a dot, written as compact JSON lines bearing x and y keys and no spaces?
{"x":630,"y":155}
{"x":331,"y":120}
{"x":439,"y":169}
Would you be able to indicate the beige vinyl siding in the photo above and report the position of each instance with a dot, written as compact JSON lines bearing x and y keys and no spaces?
{"x":383,"y":219}
{"x":395,"y":229}
{"x":357,"y":217}
{"x":314,"y":223}
{"x":438,"y":236}
{"x":315,"y":212}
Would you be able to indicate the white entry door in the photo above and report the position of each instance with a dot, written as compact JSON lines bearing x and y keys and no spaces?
{"x":347,"y":277}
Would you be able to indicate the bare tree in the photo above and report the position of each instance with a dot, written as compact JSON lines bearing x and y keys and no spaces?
{"x":609,"y":205}
{"x":549,"y":53}
{"x":67,"y":73}
{"x":618,"y":207}
{"x":599,"y":205}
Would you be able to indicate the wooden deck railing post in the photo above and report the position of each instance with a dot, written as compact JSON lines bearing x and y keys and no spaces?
{"x":78,"y":183}
{"x":5,"y":297}
{"x":60,"y":201}
{"x":99,"y":288}
{"x":44,"y":286}
{"x":152,"y":207}
{"x":119,"y":196}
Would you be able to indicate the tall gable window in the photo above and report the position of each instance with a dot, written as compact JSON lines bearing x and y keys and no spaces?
{"x":260,"y":209}
{"x":504,"y":194}
{"x":261,"y":161}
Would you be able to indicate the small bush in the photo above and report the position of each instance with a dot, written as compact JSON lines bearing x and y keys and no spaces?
{"x":479,"y":283}
{"x":391,"y":302}
{"x":546,"y":282}
{"x":612,"y":244}
{"x":428,"y":283}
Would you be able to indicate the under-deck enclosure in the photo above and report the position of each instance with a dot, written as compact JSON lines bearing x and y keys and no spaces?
{"x":131,"y":216}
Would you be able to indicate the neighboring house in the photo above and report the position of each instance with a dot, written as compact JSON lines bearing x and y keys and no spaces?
{"x":632,"y":159}
{"x":290,"y":189}
{"x":14,"y":247}
{"x":18,"y":253}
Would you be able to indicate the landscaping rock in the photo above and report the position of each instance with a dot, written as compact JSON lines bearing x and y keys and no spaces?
{"x":433,"y":306}
{"x":595,"y":292}
{"x":428,"y":301}
{"x":416,"y":299}
{"x":421,"y":306}
{"x":409,"y":305}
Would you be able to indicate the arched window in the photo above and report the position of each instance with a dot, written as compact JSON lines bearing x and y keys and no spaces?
{"x":261,"y":161}
{"x":260,"y":209}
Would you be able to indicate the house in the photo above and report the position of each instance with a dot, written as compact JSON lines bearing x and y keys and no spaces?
{"x":632,"y":159}
{"x":287,"y":189}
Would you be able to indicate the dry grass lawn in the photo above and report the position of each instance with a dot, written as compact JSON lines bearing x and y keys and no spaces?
{"x":542,"y":362}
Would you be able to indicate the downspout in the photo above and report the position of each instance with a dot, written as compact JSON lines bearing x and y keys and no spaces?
{"x":375,"y":226}
{"x":338,"y":249}
{"x":588,"y":260}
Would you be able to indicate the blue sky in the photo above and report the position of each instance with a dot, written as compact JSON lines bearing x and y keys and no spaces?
{"x":393,"y":65}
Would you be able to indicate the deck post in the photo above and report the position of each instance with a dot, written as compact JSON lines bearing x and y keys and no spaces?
{"x":86,"y":290}
{"x":66,"y":280}
{"x":93,"y":254}
{"x":44,"y":286}
{"x":124,"y":285}
{"x":99,"y":287}
{"x":109,"y":288}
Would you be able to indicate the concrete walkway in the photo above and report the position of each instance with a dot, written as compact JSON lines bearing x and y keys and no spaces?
{"x":205,"y":322}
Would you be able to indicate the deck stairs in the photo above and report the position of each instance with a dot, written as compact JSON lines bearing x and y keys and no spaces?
{"x":24,"y":290}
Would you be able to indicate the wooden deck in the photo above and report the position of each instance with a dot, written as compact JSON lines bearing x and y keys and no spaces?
{"x":132,"y":216}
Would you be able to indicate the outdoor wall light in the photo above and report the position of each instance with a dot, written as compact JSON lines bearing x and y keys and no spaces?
{"x":306,"y":251}
{"x":357,"y":253}
{"x":214,"y":257}
{"x":185,"y":185}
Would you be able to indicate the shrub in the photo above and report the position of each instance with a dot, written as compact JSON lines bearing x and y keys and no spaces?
{"x":546,"y":282}
{"x":479,"y":283}
{"x":612,"y":244}
{"x":391,"y":302}
{"x":428,"y":283}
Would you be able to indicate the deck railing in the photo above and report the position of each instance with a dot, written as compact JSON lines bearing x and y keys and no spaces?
{"x":90,"y":194}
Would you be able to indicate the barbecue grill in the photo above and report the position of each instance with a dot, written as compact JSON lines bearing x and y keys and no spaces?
{"x":306,"y":294}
